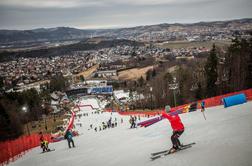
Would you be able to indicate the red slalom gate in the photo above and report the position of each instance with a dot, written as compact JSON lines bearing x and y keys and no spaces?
{"x":13,"y":149}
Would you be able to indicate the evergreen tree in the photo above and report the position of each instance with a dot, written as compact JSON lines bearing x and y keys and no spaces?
{"x":140,"y":81}
{"x":154,"y":73}
{"x":58,"y":83}
{"x":10,"y":120}
{"x":82,"y":79}
{"x":211,"y":73}
{"x":148,"y":75}
{"x":184,"y":80}
{"x":199,"y":92}
{"x":239,"y":64}
{"x":1,"y":83}
{"x":249,"y":64}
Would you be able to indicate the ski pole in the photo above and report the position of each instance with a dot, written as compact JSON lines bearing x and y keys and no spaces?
{"x":203,"y":113}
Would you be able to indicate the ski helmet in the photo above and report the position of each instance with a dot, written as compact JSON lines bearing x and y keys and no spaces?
{"x":167,"y":108}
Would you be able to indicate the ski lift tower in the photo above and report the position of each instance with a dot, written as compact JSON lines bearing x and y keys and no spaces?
{"x":174,"y":86}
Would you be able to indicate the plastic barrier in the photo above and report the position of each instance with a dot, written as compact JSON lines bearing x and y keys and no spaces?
{"x":234,"y":100}
{"x":13,"y":149}
{"x":215,"y":101}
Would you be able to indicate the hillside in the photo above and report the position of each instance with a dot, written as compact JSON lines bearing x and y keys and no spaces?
{"x":16,"y":37}
{"x":42,"y":35}
{"x":134,"y":74}
{"x":66,"y":49}
{"x":224,"y":139}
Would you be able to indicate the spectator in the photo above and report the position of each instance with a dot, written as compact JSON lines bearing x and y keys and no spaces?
{"x":69,"y":137}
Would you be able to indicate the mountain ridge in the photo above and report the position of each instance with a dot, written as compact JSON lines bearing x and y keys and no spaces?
{"x":70,"y":33}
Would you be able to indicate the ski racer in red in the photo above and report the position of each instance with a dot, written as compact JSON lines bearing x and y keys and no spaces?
{"x":177,"y":126}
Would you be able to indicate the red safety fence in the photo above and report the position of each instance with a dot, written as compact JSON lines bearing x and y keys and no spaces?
{"x":13,"y":149}
{"x":209,"y":102}
{"x":217,"y":100}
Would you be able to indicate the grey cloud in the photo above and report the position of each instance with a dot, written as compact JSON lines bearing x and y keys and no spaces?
{"x":111,"y":13}
{"x":91,"y":3}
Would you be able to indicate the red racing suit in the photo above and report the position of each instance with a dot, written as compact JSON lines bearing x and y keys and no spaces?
{"x":175,"y":121}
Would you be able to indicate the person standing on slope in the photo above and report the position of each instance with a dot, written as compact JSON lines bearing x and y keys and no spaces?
{"x":202,"y":104}
{"x":69,"y":137}
{"x":177,"y":126}
{"x":43,"y":143}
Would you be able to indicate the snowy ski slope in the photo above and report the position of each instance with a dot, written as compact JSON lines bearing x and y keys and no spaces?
{"x":224,"y":139}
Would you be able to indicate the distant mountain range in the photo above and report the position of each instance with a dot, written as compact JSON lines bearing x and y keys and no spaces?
{"x":42,"y":35}
{"x":66,"y":33}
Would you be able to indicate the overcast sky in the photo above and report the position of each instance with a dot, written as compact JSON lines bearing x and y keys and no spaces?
{"x":86,"y":14}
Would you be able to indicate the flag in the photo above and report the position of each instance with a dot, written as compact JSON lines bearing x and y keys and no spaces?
{"x":149,"y":121}
{"x":153,"y":122}
{"x":188,"y":108}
